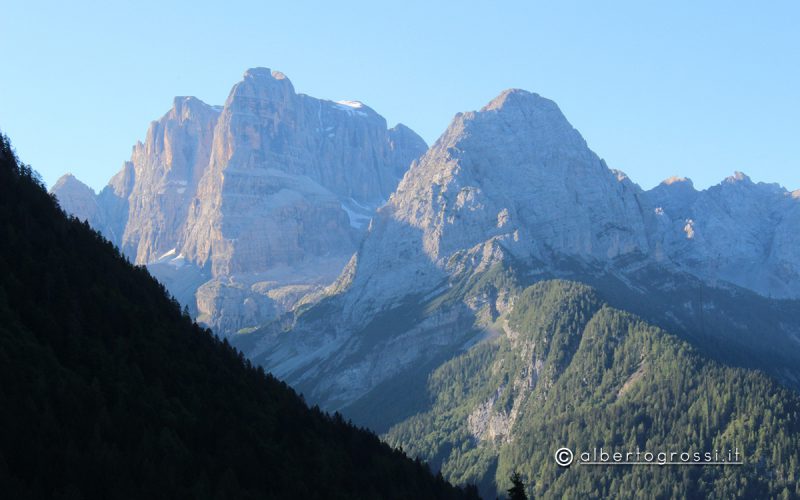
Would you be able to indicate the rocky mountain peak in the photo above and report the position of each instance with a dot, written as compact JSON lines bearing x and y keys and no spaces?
{"x":515,"y":97}
{"x":678,"y":182}
{"x":405,"y":146}
{"x":513,"y":178}
{"x":78,"y":199}
{"x":188,"y":107}
{"x":261,"y":84}
{"x":70,"y":183}
{"x":738,"y":177}
{"x":523,"y":118}
{"x":673,"y":192}
{"x":261,"y":73}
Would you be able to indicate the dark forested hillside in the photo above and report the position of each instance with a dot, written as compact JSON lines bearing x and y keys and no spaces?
{"x":108,"y":391}
{"x":565,"y":369}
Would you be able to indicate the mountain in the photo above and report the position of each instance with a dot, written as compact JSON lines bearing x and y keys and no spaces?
{"x":243,"y":209}
{"x":513,"y":178}
{"x":78,"y":198}
{"x":565,"y":369}
{"x":513,"y":192}
{"x":511,"y":196}
{"x":109,"y":391}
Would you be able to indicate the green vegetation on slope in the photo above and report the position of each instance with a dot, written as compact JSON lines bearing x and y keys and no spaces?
{"x":571,"y":371}
{"x":109,"y":391}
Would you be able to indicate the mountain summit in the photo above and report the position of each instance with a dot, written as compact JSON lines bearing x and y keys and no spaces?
{"x":244,"y":208}
{"x":515,"y":176}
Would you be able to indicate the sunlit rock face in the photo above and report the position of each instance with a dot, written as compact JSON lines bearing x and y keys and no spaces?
{"x":167,"y":169}
{"x":273,"y":187}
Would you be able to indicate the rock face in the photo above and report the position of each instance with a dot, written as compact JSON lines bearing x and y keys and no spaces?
{"x":515,"y":174}
{"x":167,"y":169}
{"x":78,"y":199}
{"x":509,"y":195}
{"x":272,"y":190}
{"x":737,"y":231}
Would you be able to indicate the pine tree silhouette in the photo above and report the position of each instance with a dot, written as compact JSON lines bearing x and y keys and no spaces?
{"x":517,"y":490}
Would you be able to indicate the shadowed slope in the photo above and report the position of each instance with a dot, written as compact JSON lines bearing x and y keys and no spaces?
{"x":108,"y":391}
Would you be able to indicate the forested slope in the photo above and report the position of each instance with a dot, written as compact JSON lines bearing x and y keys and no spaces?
{"x":568,"y":370}
{"x":109,"y":391}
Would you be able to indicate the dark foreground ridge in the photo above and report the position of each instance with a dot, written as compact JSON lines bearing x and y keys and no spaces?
{"x":109,"y":391}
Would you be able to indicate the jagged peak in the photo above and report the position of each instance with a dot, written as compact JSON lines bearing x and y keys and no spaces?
{"x":261,"y":83}
{"x":516,"y":98}
{"x":69,"y":181}
{"x":678,"y":181}
{"x":68,"y":177}
{"x":620,"y":175}
{"x":741,"y":181}
{"x":525,"y":115}
{"x":190,"y":101}
{"x":405,"y":131}
{"x":185,"y":99}
{"x":402,"y":127}
{"x":184,"y":107}
{"x":261,"y":73}
{"x":738,"y":177}
{"x":257,"y":72}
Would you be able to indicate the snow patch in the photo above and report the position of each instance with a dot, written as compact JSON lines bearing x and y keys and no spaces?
{"x":350,"y":107}
{"x":359,"y":215}
{"x":178,"y":261}
{"x":167,"y":253}
{"x":357,"y":220}
{"x":351,"y":104}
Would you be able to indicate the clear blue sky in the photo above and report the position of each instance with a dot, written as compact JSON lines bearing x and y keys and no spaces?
{"x":698,"y":89}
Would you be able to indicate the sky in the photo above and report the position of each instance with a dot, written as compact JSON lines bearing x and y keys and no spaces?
{"x":696,"y":89}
